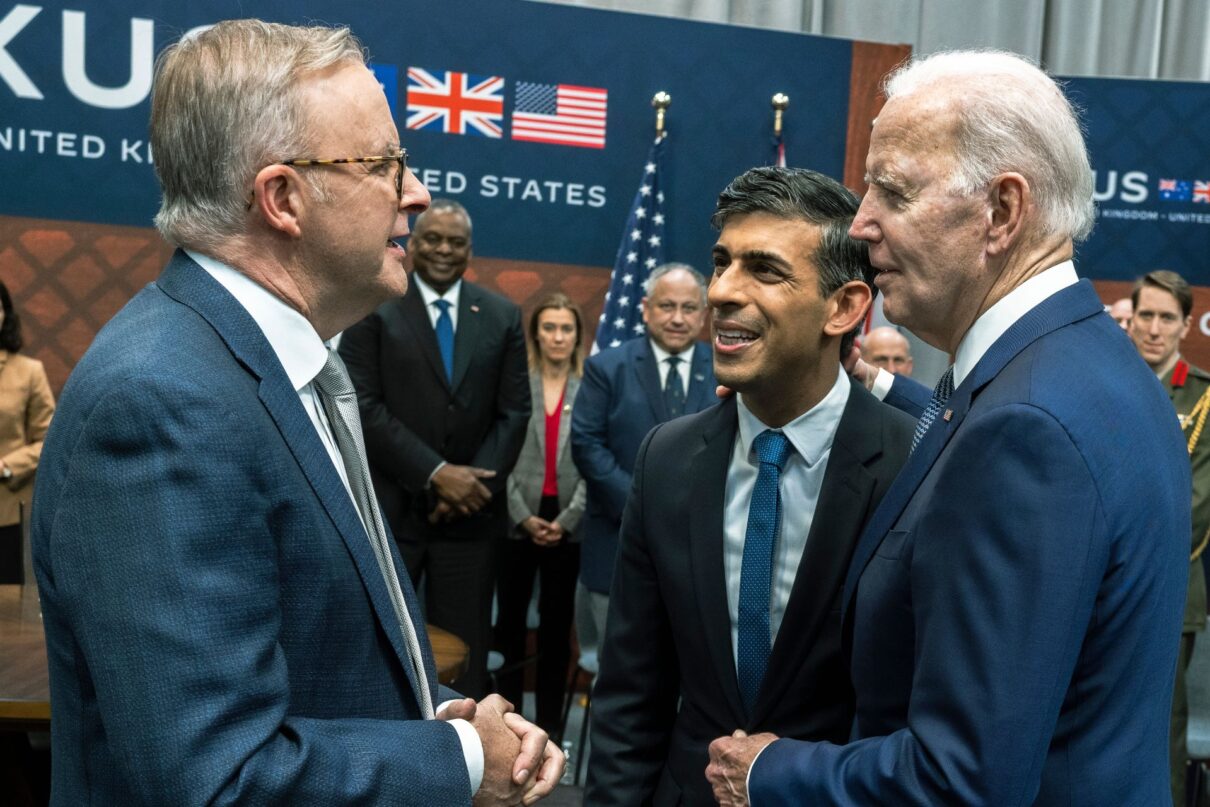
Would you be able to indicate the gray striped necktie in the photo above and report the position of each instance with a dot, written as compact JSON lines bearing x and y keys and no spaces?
{"x":340,"y":402}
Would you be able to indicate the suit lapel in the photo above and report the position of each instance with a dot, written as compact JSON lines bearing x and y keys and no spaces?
{"x":700,"y":394}
{"x":537,"y":425}
{"x":1062,"y":308}
{"x":711,"y":460}
{"x":569,"y":398}
{"x":466,"y":335}
{"x":189,"y":284}
{"x":416,"y":315}
{"x":844,"y":501}
{"x":648,"y":371}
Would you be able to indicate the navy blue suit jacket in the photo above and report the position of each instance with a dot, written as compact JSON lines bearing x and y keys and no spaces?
{"x":620,"y":400}
{"x":218,"y":630}
{"x":1014,"y":605}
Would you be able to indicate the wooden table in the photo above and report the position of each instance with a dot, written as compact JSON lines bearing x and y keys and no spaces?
{"x":25,"y":689}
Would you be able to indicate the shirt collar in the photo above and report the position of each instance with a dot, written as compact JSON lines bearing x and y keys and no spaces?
{"x":811,"y":433}
{"x":1001,"y":316}
{"x":662,"y":355}
{"x":298,"y":347}
{"x":430,"y":296}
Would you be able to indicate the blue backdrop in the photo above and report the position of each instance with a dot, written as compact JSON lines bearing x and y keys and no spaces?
{"x":74,"y":107}
{"x":1150,"y":147}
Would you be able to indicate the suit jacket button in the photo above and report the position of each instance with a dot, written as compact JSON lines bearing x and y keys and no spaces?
{"x":452,"y":408}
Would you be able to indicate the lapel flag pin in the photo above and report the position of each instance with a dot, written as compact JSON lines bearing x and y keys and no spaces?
{"x":949,"y":413}
{"x":474,"y":309}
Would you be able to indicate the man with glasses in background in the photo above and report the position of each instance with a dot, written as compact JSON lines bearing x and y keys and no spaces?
{"x":227,"y":619}
{"x":443,"y":384}
{"x":627,"y":391}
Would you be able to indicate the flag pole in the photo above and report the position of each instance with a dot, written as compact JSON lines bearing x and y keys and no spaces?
{"x":779,"y":101}
{"x":660,"y":101}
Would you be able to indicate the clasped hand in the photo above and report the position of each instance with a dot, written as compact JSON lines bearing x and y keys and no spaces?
{"x":459,"y":492}
{"x":520,"y":763}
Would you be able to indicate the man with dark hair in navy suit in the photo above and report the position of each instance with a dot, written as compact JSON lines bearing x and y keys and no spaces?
{"x":1013,"y":609}
{"x":626,"y":391}
{"x":227,"y":618}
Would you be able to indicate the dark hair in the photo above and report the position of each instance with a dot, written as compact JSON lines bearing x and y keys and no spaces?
{"x":799,"y":193}
{"x":10,"y":331}
{"x":1164,"y":279}
{"x":557,"y":300}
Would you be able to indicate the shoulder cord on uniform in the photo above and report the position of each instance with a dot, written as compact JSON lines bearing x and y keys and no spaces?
{"x":1197,"y":418}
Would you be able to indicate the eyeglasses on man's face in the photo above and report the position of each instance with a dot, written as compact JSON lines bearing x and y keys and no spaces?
{"x":400,"y":157}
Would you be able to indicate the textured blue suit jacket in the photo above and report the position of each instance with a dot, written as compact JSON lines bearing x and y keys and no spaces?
{"x":217,"y":627}
{"x":620,"y":400}
{"x":1015,"y":603}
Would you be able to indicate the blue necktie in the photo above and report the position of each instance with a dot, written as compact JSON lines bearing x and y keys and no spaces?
{"x":941,"y":394}
{"x":756,"y":575}
{"x":674,"y":390}
{"x":445,"y":337}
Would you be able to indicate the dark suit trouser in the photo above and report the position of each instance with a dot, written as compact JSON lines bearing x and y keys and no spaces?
{"x":459,"y":574}
{"x":558,"y":567}
{"x":12,"y":567}
{"x":1178,"y":750}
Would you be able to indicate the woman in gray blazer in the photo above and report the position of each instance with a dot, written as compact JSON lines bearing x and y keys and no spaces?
{"x":545,"y":502}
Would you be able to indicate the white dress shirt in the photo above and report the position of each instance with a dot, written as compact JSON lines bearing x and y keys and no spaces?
{"x":995,"y":321}
{"x":811,"y":434}
{"x":661,"y":359}
{"x":302,"y":355}
{"x":452,"y":295}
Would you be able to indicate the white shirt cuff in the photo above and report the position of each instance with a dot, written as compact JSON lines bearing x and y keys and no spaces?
{"x":429,"y":482}
{"x":882,"y":384}
{"x":472,"y":750}
{"x":748,"y":778}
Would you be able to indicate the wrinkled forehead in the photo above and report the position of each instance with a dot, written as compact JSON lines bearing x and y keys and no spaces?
{"x":346,"y":110}
{"x":923,"y":124}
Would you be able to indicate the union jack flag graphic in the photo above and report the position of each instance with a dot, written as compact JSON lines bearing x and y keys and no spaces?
{"x":1201,"y":191}
{"x":455,"y":103}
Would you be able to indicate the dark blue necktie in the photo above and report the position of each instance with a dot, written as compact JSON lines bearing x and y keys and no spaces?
{"x":941,"y":394}
{"x":674,"y":389}
{"x":756,"y":576}
{"x":445,"y":337}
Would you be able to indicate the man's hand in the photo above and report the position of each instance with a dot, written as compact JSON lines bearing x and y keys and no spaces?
{"x":730,"y":759}
{"x":463,"y":709}
{"x":856,"y":366}
{"x":501,"y":754}
{"x":546,"y":766}
{"x":459,"y":487}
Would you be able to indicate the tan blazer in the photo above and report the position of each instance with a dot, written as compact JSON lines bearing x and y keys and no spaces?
{"x":26,"y":406}
{"x":525,"y":482}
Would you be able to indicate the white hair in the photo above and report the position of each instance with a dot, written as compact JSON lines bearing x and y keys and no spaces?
{"x":227,"y":102}
{"x":1012,"y":117}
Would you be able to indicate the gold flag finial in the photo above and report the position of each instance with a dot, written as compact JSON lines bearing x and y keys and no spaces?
{"x":780,"y":102}
{"x":661,"y":101}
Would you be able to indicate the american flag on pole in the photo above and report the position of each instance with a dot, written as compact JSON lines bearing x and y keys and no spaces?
{"x":455,"y":103}
{"x":779,"y":151}
{"x":560,"y":113}
{"x":641,"y":250}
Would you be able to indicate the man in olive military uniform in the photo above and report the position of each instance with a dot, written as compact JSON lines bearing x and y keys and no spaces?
{"x":1162,"y":306}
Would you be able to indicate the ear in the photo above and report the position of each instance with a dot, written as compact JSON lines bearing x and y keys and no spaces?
{"x":643,"y":309}
{"x":278,"y":198}
{"x":1009,"y":197}
{"x":846,"y":306}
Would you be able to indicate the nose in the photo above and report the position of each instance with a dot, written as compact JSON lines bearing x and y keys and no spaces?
{"x":864,"y":227}
{"x":415,"y":198}
{"x":723,"y":288}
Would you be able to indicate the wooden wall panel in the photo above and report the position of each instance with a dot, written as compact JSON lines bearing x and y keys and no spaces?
{"x":871,"y":62}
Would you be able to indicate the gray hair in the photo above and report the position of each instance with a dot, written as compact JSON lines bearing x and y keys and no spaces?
{"x":665,"y":268}
{"x":444,"y":206}
{"x":1012,"y":117}
{"x":226,"y":102}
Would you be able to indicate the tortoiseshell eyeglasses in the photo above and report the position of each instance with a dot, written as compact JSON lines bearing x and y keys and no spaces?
{"x":400,"y":157}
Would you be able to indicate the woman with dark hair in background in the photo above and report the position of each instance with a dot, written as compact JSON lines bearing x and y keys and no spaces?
{"x":26,"y":406}
{"x":545,"y":502}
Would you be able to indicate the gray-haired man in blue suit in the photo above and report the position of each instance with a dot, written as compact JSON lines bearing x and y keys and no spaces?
{"x":227,"y":618}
